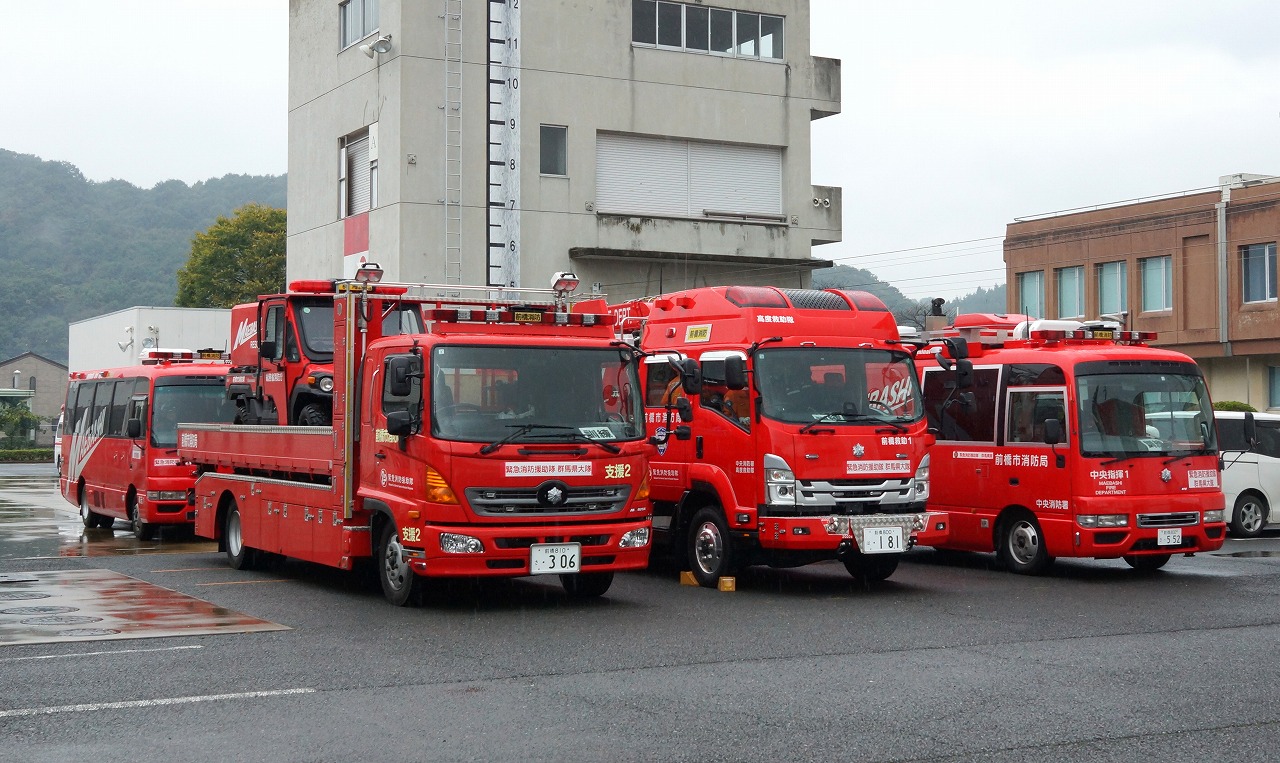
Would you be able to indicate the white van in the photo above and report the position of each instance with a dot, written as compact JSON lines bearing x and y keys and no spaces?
{"x":1251,"y":479}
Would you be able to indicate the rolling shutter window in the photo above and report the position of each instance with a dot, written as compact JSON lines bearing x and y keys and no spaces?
{"x":678,"y":178}
{"x":726,"y":178}
{"x":358,"y":176}
{"x":643,"y":175}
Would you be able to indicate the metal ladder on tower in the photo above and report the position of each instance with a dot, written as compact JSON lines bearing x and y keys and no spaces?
{"x":452,"y":141}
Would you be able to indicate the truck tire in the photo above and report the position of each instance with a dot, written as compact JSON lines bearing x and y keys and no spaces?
{"x":586,"y":585}
{"x":871,"y":568}
{"x":1250,"y":516}
{"x":400,"y":584}
{"x":141,"y":530}
{"x":1020,"y":545}
{"x":314,"y":415}
{"x":239,"y":556}
{"x":711,"y":552}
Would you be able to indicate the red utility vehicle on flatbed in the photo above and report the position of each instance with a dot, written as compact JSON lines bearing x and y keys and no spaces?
{"x":504,"y":440}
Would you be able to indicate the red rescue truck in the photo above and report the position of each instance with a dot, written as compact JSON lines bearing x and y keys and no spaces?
{"x":809,"y":441}
{"x":1070,"y":439}
{"x":118,"y":456}
{"x":504,"y":440}
{"x":282,"y":354}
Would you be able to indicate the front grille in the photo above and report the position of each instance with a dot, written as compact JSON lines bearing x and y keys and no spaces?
{"x":523,"y":501}
{"x":1175,"y":519}
{"x":584,"y":540}
{"x":848,"y":497}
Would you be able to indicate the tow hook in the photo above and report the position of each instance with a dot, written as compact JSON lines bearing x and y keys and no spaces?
{"x":845,"y":550}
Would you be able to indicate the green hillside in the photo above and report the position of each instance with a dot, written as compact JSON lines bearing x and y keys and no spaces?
{"x":73,"y":248}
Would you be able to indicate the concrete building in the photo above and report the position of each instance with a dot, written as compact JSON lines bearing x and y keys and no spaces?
{"x":40,"y":384}
{"x":117,"y":339}
{"x":1198,"y":268}
{"x":646,"y":146}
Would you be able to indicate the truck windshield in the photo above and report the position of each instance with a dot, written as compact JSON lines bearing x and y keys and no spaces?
{"x":203,"y":402}
{"x":1146,"y":412}
{"x":537,"y":394}
{"x":837,"y":386}
{"x":315,"y":323}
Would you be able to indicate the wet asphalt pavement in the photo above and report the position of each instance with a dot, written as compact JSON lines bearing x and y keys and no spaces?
{"x":951,"y":659}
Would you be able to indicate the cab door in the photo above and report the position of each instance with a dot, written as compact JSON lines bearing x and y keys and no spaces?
{"x":272,"y":360}
{"x":961,"y":463}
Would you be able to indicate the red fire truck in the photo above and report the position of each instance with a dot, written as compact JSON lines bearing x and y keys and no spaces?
{"x":283,"y":373}
{"x":119,"y":448}
{"x":1070,"y":439}
{"x":504,"y":440}
{"x":810,"y":441}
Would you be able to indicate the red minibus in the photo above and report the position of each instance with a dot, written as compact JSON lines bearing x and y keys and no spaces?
{"x":119,"y":449}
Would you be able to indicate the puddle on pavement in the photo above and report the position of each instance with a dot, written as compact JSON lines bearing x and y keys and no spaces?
{"x":100,"y":605}
{"x":36,"y":522}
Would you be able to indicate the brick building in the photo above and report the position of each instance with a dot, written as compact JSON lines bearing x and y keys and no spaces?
{"x":1198,"y":268}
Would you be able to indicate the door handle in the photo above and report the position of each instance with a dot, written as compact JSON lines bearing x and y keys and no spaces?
{"x":379,"y":455}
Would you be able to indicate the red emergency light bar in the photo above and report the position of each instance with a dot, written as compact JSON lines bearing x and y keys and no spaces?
{"x":1095,"y":334}
{"x":518,"y":316}
{"x":322,"y":286}
{"x":756,"y":296}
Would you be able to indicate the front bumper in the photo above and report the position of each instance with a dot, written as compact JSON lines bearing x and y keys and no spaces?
{"x":506,"y":548}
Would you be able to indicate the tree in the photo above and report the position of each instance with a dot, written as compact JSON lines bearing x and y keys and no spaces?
{"x":235,"y":260}
{"x":17,"y":422}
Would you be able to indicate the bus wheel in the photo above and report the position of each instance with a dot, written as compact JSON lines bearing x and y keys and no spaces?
{"x":239,"y":556}
{"x":1250,"y":516}
{"x":711,"y":552}
{"x":313,"y":415}
{"x":400,"y":584}
{"x":1022,"y":545}
{"x":141,"y":530}
{"x":88,"y":516}
{"x":586,"y":585}
{"x":871,"y":568}
{"x":1147,"y":563}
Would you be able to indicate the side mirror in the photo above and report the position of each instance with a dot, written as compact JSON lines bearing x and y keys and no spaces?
{"x":685,"y":409}
{"x":267,"y":348}
{"x":683,"y":432}
{"x":1052,"y":431}
{"x":1250,"y":430}
{"x":133,"y":428}
{"x":690,"y":377}
{"x":400,"y":423}
{"x":735,"y":372}
{"x":957,"y":347}
{"x":964,"y":373}
{"x":401,"y":370}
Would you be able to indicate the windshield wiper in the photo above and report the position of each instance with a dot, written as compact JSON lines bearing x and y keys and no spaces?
{"x":521,"y":429}
{"x":810,"y":427}
{"x":1128,"y":456}
{"x":577,"y":436}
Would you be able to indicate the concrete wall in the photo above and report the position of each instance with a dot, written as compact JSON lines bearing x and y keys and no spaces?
{"x":581,"y":70}
{"x":94,"y":343}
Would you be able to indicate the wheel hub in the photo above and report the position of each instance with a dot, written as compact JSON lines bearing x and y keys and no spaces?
{"x":1024,"y":542}
{"x":708,"y":548}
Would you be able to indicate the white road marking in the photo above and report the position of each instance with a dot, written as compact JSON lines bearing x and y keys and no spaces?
{"x":96,"y":654}
{"x":148,"y":703}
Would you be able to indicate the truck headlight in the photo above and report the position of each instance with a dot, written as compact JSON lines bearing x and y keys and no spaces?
{"x":1217,"y":515}
{"x":181,"y":495}
{"x":922,"y":479}
{"x":779,"y":482}
{"x":1102,"y":520}
{"x":637,"y":538}
{"x":453,"y":543}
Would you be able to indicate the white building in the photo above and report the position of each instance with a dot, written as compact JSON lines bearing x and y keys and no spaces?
{"x":647,"y":146}
{"x":117,"y":339}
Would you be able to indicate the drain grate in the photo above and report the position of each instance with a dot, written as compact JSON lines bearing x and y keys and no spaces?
{"x":61,"y":620}
{"x":86,"y":632}
{"x":38,"y":610}
{"x":22,"y":596}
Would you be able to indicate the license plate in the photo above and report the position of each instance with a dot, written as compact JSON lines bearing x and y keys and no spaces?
{"x":882,"y":540}
{"x":1169,"y":536}
{"x":554,"y":558}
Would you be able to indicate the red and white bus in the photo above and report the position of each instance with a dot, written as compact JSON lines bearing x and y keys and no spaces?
{"x":119,"y":449}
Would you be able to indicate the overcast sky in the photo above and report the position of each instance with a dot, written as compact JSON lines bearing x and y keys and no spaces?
{"x":957,"y":117}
